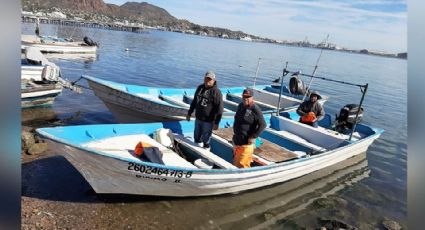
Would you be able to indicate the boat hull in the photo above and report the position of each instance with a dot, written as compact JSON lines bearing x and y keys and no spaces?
{"x":111,"y":175}
{"x":61,"y":49}
{"x":128,"y":108}
{"x":36,"y":98}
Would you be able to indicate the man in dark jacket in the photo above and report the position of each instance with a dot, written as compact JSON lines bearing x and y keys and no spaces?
{"x":208,"y":106}
{"x":249,"y":123}
{"x":311,"y":111}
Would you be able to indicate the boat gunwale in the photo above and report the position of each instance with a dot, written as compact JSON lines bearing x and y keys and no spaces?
{"x":164,"y":103}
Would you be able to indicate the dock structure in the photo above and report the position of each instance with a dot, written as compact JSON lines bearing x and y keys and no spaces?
{"x":90,"y":24}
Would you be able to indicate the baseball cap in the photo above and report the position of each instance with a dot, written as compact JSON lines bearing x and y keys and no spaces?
{"x":210,"y":74}
{"x":247,"y":93}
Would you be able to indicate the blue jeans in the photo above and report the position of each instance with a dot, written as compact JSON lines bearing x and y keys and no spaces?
{"x":203,"y":131}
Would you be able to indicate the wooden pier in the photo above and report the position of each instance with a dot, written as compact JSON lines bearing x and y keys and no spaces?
{"x":90,"y":24}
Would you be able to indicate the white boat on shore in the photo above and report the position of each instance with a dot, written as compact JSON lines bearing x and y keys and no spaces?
{"x":41,"y":80}
{"x":49,"y":45}
{"x":104,"y":155}
{"x":36,"y":95}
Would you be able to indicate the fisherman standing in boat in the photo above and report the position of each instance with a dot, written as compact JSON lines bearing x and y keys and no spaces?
{"x":249,"y":123}
{"x":311,"y":111}
{"x":208,"y":105}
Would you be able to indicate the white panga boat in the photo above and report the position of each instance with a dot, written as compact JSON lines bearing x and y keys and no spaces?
{"x":104,"y":155}
{"x":41,"y":80}
{"x":135,"y":103}
{"x":55,"y":45}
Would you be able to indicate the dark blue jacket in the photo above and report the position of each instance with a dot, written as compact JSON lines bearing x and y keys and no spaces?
{"x":207,"y":103}
{"x":249,"y":123}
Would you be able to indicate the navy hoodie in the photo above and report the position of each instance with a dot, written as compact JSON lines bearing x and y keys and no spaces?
{"x":207,"y":103}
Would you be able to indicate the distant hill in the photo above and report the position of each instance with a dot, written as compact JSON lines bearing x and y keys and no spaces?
{"x":148,"y":11}
{"x":80,"y":5}
{"x":143,"y":12}
{"x":130,"y":10}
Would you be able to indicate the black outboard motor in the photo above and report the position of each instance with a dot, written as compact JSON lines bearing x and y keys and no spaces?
{"x":89,"y":42}
{"x":297,"y":86}
{"x":347,"y":117}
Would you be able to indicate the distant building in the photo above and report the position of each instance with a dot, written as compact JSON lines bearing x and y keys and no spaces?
{"x":247,"y":38}
{"x":57,"y":14}
{"x":40,"y":14}
{"x":27,"y":13}
{"x":202,"y":33}
{"x":224,"y":36}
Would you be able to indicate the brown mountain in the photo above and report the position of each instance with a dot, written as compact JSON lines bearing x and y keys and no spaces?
{"x":149,"y":11}
{"x":133,"y":11}
{"x":80,"y":5}
{"x":130,"y":10}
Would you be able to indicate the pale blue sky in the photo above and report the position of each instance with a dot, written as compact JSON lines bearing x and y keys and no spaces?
{"x":371,"y":24}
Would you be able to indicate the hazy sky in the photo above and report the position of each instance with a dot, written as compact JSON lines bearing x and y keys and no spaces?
{"x":370,"y":24}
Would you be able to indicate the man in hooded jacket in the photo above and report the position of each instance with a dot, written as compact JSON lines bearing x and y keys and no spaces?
{"x":311,"y":111}
{"x":208,"y":106}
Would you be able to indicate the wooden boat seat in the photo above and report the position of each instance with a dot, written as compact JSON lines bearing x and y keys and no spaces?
{"x":314,"y":136}
{"x":267,"y":153}
{"x":259,"y":160}
{"x":220,"y":162}
{"x":296,"y":139}
{"x":123,"y":147}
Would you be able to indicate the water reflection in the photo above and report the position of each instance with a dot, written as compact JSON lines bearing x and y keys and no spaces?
{"x":265,"y":208}
{"x":257,"y":209}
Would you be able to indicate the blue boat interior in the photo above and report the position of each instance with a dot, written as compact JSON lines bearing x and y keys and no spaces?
{"x":284,"y":131}
{"x":181,"y":98}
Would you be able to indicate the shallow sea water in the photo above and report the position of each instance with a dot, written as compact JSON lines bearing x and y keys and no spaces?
{"x":362,"y":197}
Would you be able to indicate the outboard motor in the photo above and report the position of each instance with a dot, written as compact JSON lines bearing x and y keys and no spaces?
{"x":50,"y":73}
{"x":347,"y":117}
{"x":297,"y":86}
{"x":89,"y":42}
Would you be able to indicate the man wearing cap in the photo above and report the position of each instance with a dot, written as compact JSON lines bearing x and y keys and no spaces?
{"x":249,"y":123}
{"x":208,"y":105}
{"x":311,"y":111}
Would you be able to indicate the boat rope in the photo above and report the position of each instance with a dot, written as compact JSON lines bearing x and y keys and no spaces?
{"x":82,"y":86}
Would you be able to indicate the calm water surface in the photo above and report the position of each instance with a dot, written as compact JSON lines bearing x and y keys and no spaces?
{"x":166,"y":59}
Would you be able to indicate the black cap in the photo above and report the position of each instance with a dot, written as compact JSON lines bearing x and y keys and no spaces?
{"x":247,"y":93}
